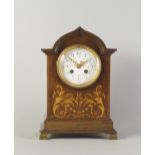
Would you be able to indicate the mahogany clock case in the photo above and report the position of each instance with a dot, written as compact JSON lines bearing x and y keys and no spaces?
{"x":74,"y":110}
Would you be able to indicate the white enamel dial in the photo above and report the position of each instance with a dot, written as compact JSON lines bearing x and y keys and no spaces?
{"x":78,"y":66}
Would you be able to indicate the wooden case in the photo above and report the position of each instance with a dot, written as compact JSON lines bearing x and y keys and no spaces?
{"x":74,"y":110}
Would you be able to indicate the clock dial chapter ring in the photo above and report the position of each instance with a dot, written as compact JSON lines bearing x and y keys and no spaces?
{"x":78,"y":72}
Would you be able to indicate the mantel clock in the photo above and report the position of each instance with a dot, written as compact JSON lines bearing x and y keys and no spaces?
{"x":78,"y":86}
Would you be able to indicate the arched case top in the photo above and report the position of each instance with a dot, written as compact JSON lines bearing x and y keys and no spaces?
{"x":79,"y":36}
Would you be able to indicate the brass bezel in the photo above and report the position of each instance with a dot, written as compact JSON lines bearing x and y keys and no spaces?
{"x":60,"y":72}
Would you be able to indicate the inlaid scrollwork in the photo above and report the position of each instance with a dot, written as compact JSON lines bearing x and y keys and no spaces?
{"x":78,"y":106}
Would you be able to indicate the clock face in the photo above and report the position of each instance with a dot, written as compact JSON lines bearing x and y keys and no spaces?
{"x":78,"y":66}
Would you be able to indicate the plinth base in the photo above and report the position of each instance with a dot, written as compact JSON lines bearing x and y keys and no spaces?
{"x":104,"y":127}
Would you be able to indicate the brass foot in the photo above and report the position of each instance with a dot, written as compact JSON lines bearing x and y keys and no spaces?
{"x":113,"y":136}
{"x":45,"y":135}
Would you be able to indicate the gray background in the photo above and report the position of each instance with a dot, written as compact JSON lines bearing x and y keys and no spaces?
{"x":38,"y":24}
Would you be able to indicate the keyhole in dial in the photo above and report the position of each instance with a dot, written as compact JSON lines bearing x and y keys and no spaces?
{"x":71,"y":71}
{"x":86,"y":71}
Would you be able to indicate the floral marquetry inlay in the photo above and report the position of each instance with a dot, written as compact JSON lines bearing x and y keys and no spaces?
{"x":78,"y":105}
